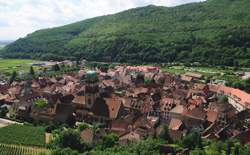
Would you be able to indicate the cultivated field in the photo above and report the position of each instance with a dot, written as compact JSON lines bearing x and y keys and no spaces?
{"x":6,"y":149}
{"x":22,"y":135}
{"x":10,"y":65}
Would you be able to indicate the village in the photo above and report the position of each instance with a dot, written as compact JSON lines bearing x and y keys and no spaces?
{"x":134,"y":102}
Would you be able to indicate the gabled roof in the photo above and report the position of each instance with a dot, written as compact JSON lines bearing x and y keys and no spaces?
{"x":212,"y":116}
{"x":79,"y":100}
{"x":114,"y":106}
{"x":196,"y":113}
{"x":175,"y":124}
{"x":180,"y":109}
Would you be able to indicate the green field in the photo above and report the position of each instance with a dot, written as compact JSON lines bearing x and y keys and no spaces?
{"x":22,"y":135}
{"x":7,"y":66}
{"x":6,"y":149}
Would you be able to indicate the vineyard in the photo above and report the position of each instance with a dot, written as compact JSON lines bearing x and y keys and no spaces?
{"x":6,"y":149}
{"x":22,"y":135}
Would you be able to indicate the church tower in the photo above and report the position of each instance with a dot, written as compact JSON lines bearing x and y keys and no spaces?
{"x":91,"y":88}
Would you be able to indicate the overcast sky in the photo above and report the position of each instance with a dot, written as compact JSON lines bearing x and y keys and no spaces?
{"x":20,"y":17}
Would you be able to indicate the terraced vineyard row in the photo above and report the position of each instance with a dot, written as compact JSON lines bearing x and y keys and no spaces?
{"x":21,"y":150}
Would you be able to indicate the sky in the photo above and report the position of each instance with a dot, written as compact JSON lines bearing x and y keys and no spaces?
{"x":21,"y":17}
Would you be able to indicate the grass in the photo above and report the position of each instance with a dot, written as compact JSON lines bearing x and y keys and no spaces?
{"x":22,"y":135}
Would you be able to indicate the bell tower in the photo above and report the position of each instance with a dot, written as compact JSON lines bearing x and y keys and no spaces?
{"x":91,"y":88}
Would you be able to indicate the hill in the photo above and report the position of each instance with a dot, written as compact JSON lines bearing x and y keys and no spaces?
{"x":214,"y":32}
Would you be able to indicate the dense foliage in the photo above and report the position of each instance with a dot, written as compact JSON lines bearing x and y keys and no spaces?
{"x":212,"y":32}
{"x":22,"y":135}
{"x":67,"y":142}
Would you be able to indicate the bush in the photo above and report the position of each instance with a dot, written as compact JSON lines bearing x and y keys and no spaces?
{"x":40,"y":103}
{"x":109,"y":140}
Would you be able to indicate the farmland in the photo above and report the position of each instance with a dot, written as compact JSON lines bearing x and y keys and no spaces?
{"x":6,"y":149}
{"x":22,"y":135}
{"x":9,"y":65}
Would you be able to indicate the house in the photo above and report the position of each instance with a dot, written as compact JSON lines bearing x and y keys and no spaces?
{"x":121,"y":126}
{"x":166,"y":104}
{"x":239,"y":99}
{"x":176,"y":129}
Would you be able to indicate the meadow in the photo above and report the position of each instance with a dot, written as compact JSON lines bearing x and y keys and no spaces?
{"x":7,"y":66}
{"x":26,"y":135}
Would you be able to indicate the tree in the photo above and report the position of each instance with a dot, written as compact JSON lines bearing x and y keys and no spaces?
{"x":165,"y":135}
{"x":32,"y":72}
{"x":3,"y":112}
{"x":67,"y":138}
{"x":223,"y":99}
{"x":82,"y":126}
{"x":228,"y":151}
{"x":236,"y":150}
{"x":13,"y":77}
{"x":192,"y":140}
{"x":247,"y":85}
{"x":56,"y":68}
{"x":109,"y":140}
{"x":148,"y":81}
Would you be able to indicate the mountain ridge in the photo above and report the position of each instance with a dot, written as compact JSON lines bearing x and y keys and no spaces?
{"x":213,"y":32}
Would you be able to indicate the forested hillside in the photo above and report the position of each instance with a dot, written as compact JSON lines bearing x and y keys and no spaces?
{"x":214,"y":32}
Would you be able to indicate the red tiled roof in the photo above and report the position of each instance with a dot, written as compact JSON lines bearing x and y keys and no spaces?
{"x":175,"y":124}
{"x":196,"y":113}
{"x":241,"y":96}
{"x":114,"y":106}
{"x":212,"y":116}
{"x":180,"y":109}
